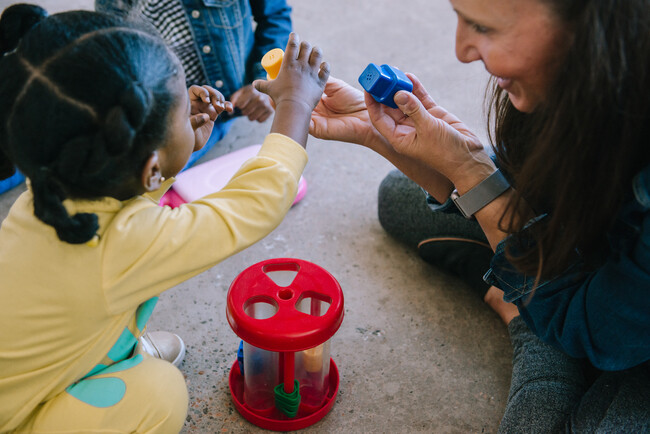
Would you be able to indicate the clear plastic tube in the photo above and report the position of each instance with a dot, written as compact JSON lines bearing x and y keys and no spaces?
{"x":261,"y":375}
{"x":312,"y":372}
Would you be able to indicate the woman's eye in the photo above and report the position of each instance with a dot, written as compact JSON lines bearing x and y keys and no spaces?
{"x":479,"y":28}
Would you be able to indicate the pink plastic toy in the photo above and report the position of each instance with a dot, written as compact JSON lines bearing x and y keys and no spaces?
{"x":213,"y":175}
{"x":289,"y":381}
{"x":171,"y":199}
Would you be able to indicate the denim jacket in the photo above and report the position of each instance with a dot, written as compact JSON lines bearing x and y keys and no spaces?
{"x":229,"y":48}
{"x":602,"y":315}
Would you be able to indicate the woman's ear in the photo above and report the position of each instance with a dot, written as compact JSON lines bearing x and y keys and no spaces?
{"x":151,"y":173}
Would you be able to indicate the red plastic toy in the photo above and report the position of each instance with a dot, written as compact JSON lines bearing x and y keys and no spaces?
{"x":289,"y":380}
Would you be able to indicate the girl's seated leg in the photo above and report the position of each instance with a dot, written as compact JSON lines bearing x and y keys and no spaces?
{"x":140,"y":394}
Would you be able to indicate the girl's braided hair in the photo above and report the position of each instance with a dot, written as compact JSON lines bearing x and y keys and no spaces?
{"x":86,"y":100}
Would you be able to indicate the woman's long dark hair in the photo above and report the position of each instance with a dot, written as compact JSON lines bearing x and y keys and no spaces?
{"x":576,"y":155}
{"x":85,"y":100}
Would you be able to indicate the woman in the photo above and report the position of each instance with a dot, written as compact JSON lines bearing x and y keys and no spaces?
{"x":570,"y":274}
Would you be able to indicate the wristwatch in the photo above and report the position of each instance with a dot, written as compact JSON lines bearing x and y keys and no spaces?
{"x":482,"y":194}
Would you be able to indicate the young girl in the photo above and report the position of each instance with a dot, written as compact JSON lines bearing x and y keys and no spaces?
{"x":95,"y":113}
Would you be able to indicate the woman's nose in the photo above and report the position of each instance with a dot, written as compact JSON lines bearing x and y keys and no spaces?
{"x":466,"y":48}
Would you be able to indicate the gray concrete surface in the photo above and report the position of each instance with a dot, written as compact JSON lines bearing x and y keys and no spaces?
{"x":417,"y":350}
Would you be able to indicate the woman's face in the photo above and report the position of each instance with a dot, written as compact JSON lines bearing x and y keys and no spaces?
{"x":520,"y":42}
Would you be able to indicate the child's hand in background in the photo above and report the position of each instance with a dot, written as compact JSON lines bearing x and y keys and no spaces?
{"x":206,"y":104}
{"x":253,"y":104}
{"x":297,"y":88}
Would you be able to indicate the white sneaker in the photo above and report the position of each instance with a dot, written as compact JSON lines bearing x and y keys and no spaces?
{"x":162,"y":345}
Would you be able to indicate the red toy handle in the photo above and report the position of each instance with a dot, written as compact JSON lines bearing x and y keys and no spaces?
{"x":288,"y":329}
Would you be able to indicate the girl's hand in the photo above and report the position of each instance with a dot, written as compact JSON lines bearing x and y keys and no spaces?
{"x":206,"y":104}
{"x":297,"y":89}
{"x":302,"y":76}
{"x":422,"y":130}
{"x":341,"y":114}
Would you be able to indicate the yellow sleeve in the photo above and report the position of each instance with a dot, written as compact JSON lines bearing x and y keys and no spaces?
{"x":147,"y":249}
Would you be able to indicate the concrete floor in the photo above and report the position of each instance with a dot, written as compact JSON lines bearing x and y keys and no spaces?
{"x":417,"y":350}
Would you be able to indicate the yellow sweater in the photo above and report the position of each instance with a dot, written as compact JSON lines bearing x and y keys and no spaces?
{"x":63,"y":306}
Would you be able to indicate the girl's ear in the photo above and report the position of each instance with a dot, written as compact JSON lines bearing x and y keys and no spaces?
{"x":151,"y":173}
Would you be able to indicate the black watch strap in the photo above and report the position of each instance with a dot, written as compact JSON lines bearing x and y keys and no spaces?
{"x":482,"y":194}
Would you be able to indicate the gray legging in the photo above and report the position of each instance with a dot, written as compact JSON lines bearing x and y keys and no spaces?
{"x":550,"y":391}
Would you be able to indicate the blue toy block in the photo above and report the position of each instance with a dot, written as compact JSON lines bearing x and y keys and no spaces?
{"x":240,"y":357}
{"x":382,"y":82}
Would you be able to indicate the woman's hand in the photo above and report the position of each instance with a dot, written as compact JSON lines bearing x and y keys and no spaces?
{"x":206,"y":103}
{"x":341,"y":114}
{"x":422,"y":130}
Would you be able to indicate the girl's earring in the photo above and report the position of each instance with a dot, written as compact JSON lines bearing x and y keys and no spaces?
{"x":162,"y":179}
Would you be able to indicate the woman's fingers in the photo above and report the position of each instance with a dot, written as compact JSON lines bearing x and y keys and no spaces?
{"x":412,"y":107}
{"x":420,"y":92}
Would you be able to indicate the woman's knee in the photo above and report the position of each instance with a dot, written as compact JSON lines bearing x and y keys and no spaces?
{"x":616,"y":402}
{"x":399,"y":202}
{"x":404,"y":213}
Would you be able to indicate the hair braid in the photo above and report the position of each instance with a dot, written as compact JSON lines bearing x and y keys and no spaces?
{"x":48,"y":207}
{"x":15,"y":22}
{"x":123,"y":121}
{"x":98,"y":89}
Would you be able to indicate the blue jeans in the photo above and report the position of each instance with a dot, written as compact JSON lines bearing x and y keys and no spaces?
{"x":229,"y":47}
